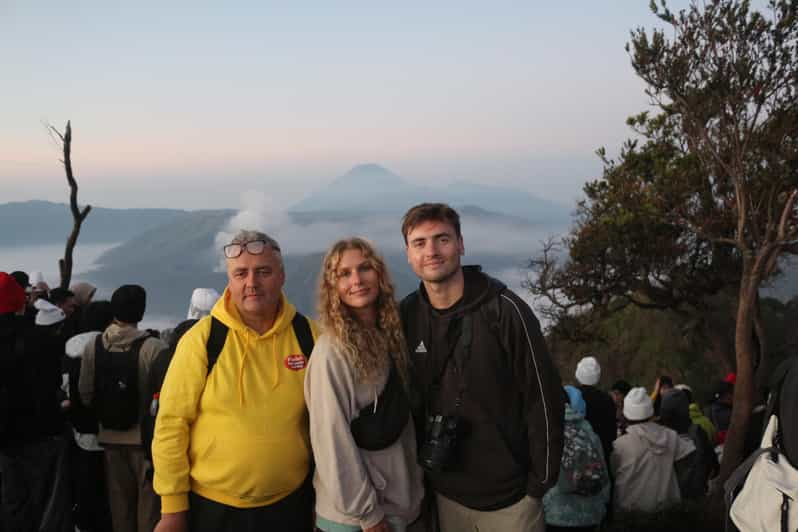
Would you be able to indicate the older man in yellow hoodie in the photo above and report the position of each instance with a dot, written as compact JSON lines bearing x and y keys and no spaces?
{"x":231,"y":448}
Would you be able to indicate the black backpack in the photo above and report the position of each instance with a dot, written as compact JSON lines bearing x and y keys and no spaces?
{"x":214,"y":346}
{"x":784,"y":403}
{"x":117,"y":401}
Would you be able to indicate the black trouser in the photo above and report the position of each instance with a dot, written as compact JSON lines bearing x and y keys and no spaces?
{"x":36,"y":486}
{"x":291,"y":514}
{"x":91,"y":511}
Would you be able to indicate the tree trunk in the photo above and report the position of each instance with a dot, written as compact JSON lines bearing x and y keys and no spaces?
{"x":762,"y":365}
{"x":743,"y":389}
{"x":65,"y":264}
{"x":718,"y":330}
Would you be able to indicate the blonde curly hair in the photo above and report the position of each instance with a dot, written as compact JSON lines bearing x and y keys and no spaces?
{"x":365,"y":348}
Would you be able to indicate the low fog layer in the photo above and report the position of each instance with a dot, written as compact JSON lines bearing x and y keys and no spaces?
{"x":483,"y":233}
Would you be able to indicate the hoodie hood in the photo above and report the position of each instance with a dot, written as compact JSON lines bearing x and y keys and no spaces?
{"x":571,"y":414}
{"x":202,"y":302}
{"x":225,"y":311}
{"x":575,"y":401}
{"x":48,"y":313}
{"x":77,"y":344}
{"x":479,"y":286}
{"x":83,"y":292}
{"x":661,"y":440}
{"x":121,"y":336}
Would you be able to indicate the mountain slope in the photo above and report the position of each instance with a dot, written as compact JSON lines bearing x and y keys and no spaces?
{"x":372,"y":188}
{"x":44,"y":222}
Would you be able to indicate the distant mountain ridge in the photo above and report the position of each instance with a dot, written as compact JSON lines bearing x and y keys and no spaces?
{"x":43,"y":222}
{"x":373,"y":188}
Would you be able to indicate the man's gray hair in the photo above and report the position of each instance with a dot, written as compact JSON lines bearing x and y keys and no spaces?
{"x":248,"y":235}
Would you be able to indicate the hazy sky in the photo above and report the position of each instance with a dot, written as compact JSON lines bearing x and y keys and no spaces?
{"x":189,"y":104}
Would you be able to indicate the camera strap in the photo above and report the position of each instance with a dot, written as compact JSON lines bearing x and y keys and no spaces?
{"x":463,"y":345}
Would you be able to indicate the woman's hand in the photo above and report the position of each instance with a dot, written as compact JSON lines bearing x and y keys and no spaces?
{"x":382,"y":526}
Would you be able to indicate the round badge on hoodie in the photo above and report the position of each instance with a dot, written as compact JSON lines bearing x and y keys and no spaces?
{"x":296,"y":362}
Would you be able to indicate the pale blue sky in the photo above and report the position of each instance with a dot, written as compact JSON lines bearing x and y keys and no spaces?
{"x":189,"y":104}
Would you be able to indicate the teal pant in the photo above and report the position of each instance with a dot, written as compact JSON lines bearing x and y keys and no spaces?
{"x":396,"y":524}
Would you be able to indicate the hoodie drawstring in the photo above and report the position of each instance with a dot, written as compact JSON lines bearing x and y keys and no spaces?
{"x":276,"y":379}
{"x":241,"y":370}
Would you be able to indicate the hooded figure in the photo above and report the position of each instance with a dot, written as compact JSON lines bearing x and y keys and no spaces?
{"x":84,"y":292}
{"x":572,"y":502}
{"x":643,"y":459}
{"x":202,"y":301}
{"x":48,"y":313}
{"x":692,"y":472}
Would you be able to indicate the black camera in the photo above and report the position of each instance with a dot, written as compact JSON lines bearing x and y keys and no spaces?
{"x":438,"y":450}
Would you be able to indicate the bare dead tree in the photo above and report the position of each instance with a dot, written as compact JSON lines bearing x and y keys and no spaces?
{"x":65,"y":263}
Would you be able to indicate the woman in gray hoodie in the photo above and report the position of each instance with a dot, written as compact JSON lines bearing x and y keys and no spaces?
{"x":363,"y":439}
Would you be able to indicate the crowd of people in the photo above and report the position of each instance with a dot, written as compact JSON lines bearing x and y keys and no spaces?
{"x":440,"y":412}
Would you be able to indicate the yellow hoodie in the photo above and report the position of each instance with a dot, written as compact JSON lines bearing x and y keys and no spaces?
{"x":240,"y":439}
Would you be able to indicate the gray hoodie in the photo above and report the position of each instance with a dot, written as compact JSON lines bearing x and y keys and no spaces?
{"x":642,"y":464}
{"x":355,"y":486}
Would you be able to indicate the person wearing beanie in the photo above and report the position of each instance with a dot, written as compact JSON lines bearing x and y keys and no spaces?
{"x":21,"y":278}
{"x":643,"y":458}
{"x":39,"y":287}
{"x":601,"y":412}
{"x":578,"y":502}
{"x":12,"y":295}
{"x":34,"y":450}
{"x":134,"y":505}
{"x":618,"y":392}
{"x":694,"y":471}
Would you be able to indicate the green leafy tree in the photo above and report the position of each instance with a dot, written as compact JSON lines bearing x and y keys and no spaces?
{"x":628,"y":246}
{"x":708,"y":201}
{"x":729,"y":79}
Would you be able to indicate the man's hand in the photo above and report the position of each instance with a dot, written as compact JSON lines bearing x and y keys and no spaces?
{"x":176,"y":522}
{"x":382,"y":526}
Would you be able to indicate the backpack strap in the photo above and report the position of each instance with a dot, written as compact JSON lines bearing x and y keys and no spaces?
{"x":215,"y":343}
{"x":219,"y":330}
{"x":303,"y":334}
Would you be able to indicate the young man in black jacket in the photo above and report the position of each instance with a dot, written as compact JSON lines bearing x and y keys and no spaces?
{"x":492,"y":413}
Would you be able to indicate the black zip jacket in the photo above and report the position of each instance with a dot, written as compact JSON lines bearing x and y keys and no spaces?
{"x":601,"y":414}
{"x":512,"y":408}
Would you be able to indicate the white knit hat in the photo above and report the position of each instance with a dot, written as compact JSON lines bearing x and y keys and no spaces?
{"x":637,"y":405}
{"x":202,"y":301}
{"x":588,"y":371}
{"x":37,"y":277}
{"x":48,"y":313}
